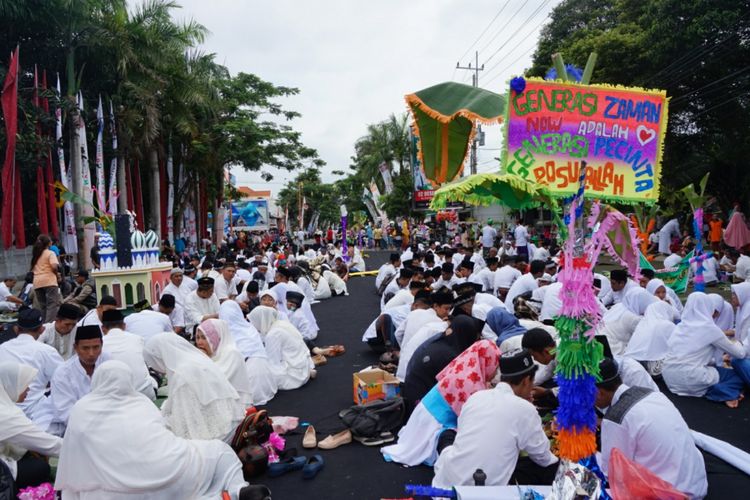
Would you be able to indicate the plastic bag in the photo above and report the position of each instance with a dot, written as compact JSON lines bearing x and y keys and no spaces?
{"x":628,"y":479}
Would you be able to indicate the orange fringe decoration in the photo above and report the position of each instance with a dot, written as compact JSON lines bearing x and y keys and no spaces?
{"x":575,"y":445}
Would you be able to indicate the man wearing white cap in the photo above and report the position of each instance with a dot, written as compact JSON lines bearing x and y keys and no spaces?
{"x":176,"y":286}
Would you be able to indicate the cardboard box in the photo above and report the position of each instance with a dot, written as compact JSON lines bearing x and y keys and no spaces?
{"x":370,"y":385}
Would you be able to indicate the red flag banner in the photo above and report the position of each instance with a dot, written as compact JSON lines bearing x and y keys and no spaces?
{"x":10,"y":172}
{"x":50,"y":181}
{"x":41,"y":194}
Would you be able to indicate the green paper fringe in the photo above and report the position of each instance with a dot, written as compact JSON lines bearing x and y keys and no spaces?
{"x":577,"y":354}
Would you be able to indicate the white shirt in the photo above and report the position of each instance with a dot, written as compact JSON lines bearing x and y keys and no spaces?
{"x":4,"y":294}
{"x":415,"y":320}
{"x":223,"y":288}
{"x":671,"y":228}
{"x":384,"y":272}
{"x":541,"y":253}
{"x":552,"y":304}
{"x":494,"y":426}
{"x":488,"y":236}
{"x":189,"y":283}
{"x":427,"y":332}
{"x":128,"y":348}
{"x":398,"y":316}
{"x":91,"y":318}
{"x":520,"y":234}
{"x":618,"y":295}
{"x":179,"y":292}
{"x":605,"y":291}
{"x":176,"y":317}
{"x":505,"y":277}
{"x":69,"y":384}
{"x":742,"y":270}
{"x":390,"y":290}
{"x":306,"y":288}
{"x":487,"y":278}
{"x":148,"y":323}
{"x":403,"y":297}
{"x":662,"y":445}
{"x":196,"y":308}
{"x":26,"y":351}
{"x":525,"y":283}
{"x":62,"y":343}
{"x":301,"y":323}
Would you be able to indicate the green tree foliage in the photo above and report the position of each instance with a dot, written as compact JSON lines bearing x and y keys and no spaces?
{"x":697,"y":50}
{"x":166,"y":93}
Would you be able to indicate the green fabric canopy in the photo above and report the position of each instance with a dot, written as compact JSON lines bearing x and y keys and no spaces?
{"x":444,"y":118}
{"x":492,"y":189}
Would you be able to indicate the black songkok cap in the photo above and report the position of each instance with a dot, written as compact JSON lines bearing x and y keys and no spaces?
{"x":88,"y":332}
{"x":68,"y":311}
{"x":608,"y":370}
{"x":205,"y":283}
{"x":394,"y":257}
{"x":112,"y":316}
{"x":447,"y":267}
{"x":618,"y":275}
{"x":167,"y":300}
{"x":284,"y":272}
{"x":30,"y":319}
{"x":141,"y":305}
{"x":442,"y":297}
{"x":295,"y":298}
{"x":517,"y":362}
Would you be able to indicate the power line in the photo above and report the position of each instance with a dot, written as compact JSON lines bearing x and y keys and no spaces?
{"x":500,"y":73}
{"x":523,"y":25}
{"x":685,"y":96}
{"x":485,"y":29}
{"x":500,"y":30}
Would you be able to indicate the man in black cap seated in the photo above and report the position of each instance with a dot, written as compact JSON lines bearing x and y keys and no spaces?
{"x":447,"y":278}
{"x":249,"y":299}
{"x":58,"y":333}
{"x":84,"y":294}
{"x":146,"y":322}
{"x":405,"y":296}
{"x":128,"y":348}
{"x":297,"y":317}
{"x":647,"y":428}
{"x":168,"y":305}
{"x":465,"y":270}
{"x":25,"y":350}
{"x":282,"y":275}
{"x":201,"y":305}
{"x":494,"y":427}
{"x":465,"y":295}
{"x":72,"y":380}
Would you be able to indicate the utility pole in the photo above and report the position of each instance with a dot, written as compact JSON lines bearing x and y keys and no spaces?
{"x":474,"y":83}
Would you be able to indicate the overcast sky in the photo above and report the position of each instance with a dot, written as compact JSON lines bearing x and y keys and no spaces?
{"x":354,"y":60}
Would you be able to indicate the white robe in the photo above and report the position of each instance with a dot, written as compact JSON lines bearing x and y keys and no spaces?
{"x":650,"y":337}
{"x":662,"y":445}
{"x":428,"y":332}
{"x":228,"y":358}
{"x":494,"y":426}
{"x":179,"y":293}
{"x":505,"y":277}
{"x":262,"y":381}
{"x":128,"y":348}
{"x":62,"y":343}
{"x":148,"y":323}
{"x":46,"y":360}
{"x":118,"y":447}
{"x":287,"y":352}
{"x":196,"y":308}
{"x":526,"y":283}
{"x":18,"y":434}
{"x":671,"y":228}
{"x":335,"y":283}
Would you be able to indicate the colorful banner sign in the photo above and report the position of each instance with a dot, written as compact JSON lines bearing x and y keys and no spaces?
{"x":423,"y":188}
{"x":552,"y":127}
{"x":676,"y":278}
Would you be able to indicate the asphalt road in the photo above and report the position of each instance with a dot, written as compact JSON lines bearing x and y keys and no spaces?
{"x":357,"y":471}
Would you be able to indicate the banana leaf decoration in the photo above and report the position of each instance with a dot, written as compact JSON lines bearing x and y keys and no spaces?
{"x":105,"y":219}
{"x":444,"y":120}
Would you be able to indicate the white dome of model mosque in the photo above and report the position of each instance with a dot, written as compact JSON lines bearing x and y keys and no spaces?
{"x":152,"y":239}
{"x":106,"y":241}
{"x":138,"y":240}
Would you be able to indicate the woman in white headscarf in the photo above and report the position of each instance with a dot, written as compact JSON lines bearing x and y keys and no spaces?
{"x":661,"y":291}
{"x":741,"y":300}
{"x":725,"y":320}
{"x":287,"y":352}
{"x":213,"y":338}
{"x":263,"y":385}
{"x":649,"y":341}
{"x":202,"y":404}
{"x":280,"y":290}
{"x":117,"y":447}
{"x":18,"y":434}
{"x":619,"y":323}
{"x":268,"y":298}
{"x":689,"y":367}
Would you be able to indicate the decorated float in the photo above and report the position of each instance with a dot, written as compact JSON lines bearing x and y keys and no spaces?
{"x":568,"y":146}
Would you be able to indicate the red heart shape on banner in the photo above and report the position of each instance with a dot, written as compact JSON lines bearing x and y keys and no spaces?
{"x":645,"y":134}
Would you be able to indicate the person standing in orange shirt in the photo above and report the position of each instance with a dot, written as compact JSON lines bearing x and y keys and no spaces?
{"x":714,"y":232}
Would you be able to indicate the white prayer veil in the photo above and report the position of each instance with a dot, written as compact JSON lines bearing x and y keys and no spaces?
{"x":742,"y":318}
{"x":650,"y":338}
{"x":697,"y":328}
{"x":227,"y":357}
{"x":263,"y":318}
{"x":14,"y":379}
{"x":246,"y":336}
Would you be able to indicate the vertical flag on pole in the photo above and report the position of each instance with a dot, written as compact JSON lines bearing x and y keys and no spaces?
{"x":138,"y":194}
{"x":113,"y":164}
{"x":41,"y":192}
{"x":101,"y":186}
{"x":10,"y":174}
{"x":69,"y":241}
{"x":50,"y":177}
{"x":88,"y":211}
{"x":170,"y":196}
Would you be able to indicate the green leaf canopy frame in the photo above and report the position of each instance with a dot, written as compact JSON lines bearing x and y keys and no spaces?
{"x":444,"y":120}
{"x":492,"y":189}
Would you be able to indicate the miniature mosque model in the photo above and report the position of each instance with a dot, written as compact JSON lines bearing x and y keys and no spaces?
{"x":144,"y":280}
